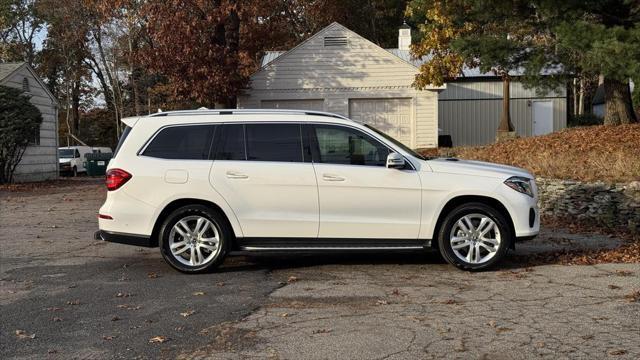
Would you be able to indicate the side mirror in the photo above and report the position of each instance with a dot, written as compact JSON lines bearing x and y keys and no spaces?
{"x":395,"y":161}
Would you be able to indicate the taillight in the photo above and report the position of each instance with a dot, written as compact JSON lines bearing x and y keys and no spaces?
{"x":116,"y":178}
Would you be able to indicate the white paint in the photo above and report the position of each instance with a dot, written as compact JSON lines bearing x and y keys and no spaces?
{"x":542,"y":117}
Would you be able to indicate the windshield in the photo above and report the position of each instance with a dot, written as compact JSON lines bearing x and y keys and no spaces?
{"x":397,"y":143}
{"x":66,"y":153}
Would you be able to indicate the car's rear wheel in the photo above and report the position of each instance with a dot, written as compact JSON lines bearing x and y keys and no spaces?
{"x":474,"y":236}
{"x":194,"y":239}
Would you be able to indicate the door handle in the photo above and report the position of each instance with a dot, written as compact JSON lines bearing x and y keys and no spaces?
{"x":329,"y":177}
{"x":236,"y":175}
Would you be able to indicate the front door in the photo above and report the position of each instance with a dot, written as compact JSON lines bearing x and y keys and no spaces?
{"x":359,"y":196}
{"x":542,"y":117}
{"x":260,"y":170}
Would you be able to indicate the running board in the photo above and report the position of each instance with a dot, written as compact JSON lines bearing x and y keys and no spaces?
{"x":329,"y":244}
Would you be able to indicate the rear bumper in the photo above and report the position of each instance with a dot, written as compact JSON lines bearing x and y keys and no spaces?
{"x":128,"y":239}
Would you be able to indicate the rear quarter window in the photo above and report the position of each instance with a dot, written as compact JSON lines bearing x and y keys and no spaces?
{"x":188,"y":142}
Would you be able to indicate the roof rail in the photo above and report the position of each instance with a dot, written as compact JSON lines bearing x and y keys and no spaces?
{"x":246,"y":111}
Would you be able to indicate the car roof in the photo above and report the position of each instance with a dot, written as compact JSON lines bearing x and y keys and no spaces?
{"x":253,"y":115}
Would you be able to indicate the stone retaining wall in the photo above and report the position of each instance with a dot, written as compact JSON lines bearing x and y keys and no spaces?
{"x":606,"y":204}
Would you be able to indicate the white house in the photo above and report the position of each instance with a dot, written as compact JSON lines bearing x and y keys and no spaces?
{"x":339,"y":71}
{"x":40,"y":160}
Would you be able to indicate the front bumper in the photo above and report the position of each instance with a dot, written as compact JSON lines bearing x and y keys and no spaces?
{"x":128,"y":239}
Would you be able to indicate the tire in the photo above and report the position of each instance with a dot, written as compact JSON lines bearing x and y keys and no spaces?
{"x":174,"y":232}
{"x":74,"y":172}
{"x":474,"y":236}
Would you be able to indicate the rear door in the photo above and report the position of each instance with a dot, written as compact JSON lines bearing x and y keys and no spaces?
{"x":265,"y":174}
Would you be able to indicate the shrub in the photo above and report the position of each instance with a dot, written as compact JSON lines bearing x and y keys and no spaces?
{"x":19,"y":121}
{"x":585,"y":120}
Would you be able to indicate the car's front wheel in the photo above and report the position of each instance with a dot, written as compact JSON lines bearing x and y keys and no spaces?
{"x":474,"y":236}
{"x":194,"y":239}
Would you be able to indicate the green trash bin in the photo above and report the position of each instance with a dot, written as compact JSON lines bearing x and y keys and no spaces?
{"x":96,"y":164}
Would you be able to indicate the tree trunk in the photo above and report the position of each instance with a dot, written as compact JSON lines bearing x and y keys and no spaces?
{"x":505,"y":120}
{"x":581,"y":100}
{"x":617,"y":97}
{"x":232,"y":41}
{"x":575,"y":96}
{"x":75,"y":107}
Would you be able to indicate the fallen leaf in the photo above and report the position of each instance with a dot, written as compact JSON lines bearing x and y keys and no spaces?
{"x":220,"y":284}
{"x":492,"y":323}
{"x":284,"y":315}
{"x":321,"y":331}
{"x":624,"y":272}
{"x":187,"y":313}
{"x":450,"y":302}
{"x":633,"y":296}
{"x":115,"y":318}
{"x":21,"y":334}
{"x":56,"y":319}
{"x":52,"y":351}
{"x":123,"y":295}
{"x":395,"y":292}
{"x":292,"y":279}
{"x":198,"y":293}
{"x":158,"y":339}
{"x":152,"y":275}
{"x":614,"y":287}
{"x":617,"y":352}
{"x":107,"y":337}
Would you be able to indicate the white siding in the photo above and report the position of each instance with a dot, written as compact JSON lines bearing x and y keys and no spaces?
{"x":40,"y":162}
{"x":336,"y":75}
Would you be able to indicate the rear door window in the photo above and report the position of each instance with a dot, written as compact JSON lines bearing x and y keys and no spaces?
{"x":274,"y":142}
{"x":231,"y":143}
{"x":188,"y":142}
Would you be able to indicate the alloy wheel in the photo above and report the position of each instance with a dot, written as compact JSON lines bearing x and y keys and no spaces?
{"x":475,"y":238}
{"x":194,"y":240}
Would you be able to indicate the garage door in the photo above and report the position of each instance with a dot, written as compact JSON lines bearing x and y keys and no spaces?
{"x":308,"y":104}
{"x":392,"y":116}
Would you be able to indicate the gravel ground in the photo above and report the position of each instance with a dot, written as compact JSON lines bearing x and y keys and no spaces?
{"x":64,"y":295}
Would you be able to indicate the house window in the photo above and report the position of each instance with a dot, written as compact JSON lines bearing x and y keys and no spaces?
{"x":25,"y":85}
{"x":36,"y":137}
{"x":335,"y":41}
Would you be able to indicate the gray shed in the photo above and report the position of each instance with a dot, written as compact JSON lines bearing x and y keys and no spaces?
{"x":40,"y":160}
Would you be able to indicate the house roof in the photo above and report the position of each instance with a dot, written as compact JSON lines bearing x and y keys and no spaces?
{"x":406,"y":56}
{"x":7,"y":69}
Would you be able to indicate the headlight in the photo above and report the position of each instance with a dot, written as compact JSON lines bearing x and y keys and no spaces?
{"x":520,"y":184}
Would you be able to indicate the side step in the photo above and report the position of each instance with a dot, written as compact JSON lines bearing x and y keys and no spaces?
{"x":329,"y":244}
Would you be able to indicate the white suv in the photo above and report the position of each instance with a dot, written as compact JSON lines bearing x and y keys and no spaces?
{"x":202,"y":183}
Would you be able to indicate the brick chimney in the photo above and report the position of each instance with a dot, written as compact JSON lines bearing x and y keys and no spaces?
{"x":404,"y":37}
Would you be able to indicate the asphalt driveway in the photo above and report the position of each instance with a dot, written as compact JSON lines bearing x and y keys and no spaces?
{"x":64,"y":295}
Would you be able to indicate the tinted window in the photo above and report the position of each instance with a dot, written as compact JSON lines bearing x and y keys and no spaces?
{"x":181,"y":142}
{"x":342,"y":145}
{"x":274,"y":142}
{"x":231,"y":143}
